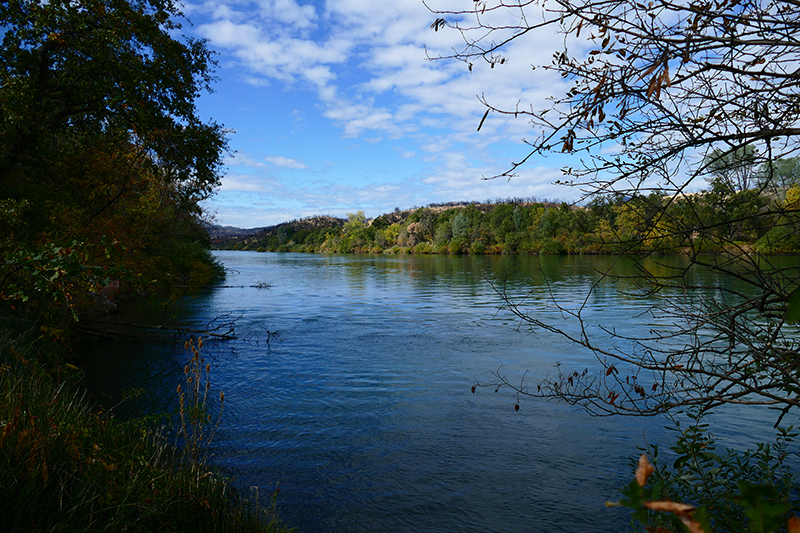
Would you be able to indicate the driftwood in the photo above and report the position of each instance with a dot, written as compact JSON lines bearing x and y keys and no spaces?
{"x":221,"y":327}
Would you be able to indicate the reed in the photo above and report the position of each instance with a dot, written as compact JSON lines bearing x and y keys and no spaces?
{"x":197,"y":429}
{"x":67,"y":467}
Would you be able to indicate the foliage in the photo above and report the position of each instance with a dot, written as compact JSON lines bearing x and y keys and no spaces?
{"x":708,"y":491}
{"x":103,"y":161}
{"x":735,"y":169}
{"x":637,"y":225}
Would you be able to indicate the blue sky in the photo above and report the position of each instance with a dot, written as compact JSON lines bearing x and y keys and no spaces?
{"x":333,"y":108}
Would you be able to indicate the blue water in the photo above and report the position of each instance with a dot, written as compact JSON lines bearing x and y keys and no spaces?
{"x":361,"y":408}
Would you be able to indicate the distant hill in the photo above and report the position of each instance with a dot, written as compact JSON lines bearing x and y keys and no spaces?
{"x":218,"y":233}
{"x":238,"y":236}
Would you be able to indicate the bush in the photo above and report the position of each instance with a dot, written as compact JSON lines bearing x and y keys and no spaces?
{"x":551,"y":247}
{"x":477,"y":248}
{"x":456,"y":246}
{"x":779,"y":240}
{"x":728,"y":491}
{"x":423,"y":248}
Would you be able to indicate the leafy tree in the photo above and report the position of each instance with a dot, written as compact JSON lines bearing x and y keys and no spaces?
{"x":355,"y":222}
{"x":779,"y":175}
{"x":461,"y":225}
{"x":104,"y":66}
{"x":444,"y":232}
{"x":735,"y":168}
{"x":103,"y":160}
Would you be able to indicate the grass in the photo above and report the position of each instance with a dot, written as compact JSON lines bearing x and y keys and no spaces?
{"x":65,"y":467}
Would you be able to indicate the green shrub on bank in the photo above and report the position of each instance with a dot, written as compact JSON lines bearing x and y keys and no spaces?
{"x":703,"y":488}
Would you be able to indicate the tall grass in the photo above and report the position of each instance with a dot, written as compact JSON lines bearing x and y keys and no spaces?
{"x":64,"y":467}
{"x":194,"y":430}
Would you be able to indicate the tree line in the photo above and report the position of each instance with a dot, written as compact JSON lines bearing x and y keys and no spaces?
{"x":754,"y":219}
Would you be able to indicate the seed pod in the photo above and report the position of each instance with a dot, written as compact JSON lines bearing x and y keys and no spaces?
{"x":516,"y":407}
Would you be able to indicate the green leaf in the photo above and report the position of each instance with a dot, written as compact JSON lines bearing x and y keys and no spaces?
{"x":701,"y":516}
{"x":761,"y":506}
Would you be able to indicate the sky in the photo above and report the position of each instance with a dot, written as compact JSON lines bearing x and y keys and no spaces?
{"x":332,"y":107}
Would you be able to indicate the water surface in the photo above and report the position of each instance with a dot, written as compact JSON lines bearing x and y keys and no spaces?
{"x":362,"y":408}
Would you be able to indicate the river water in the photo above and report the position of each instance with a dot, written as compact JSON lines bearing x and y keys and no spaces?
{"x":350,"y":385}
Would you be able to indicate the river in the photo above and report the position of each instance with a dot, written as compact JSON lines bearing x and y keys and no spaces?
{"x":350,"y":385}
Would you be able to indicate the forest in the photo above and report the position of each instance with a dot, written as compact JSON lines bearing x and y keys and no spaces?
{"x":765,"y":221}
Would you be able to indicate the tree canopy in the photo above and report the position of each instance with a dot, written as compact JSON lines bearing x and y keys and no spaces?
{"x":103,"y":158}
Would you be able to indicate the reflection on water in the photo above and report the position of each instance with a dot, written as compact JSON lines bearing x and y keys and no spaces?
{"x":362,"y":409}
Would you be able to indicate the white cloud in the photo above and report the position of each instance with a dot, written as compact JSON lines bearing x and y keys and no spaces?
{"x":285,"y":162}
{"x":238,"y":182}
{"x":384,"y":52}
{"x":366,"y":64}
{"x":247,"y":161}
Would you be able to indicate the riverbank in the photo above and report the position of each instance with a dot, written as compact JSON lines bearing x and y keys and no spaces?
{"x":67,"y":466}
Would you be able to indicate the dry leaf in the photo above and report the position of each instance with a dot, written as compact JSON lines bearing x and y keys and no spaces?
{"x":644,"y":470}
{"x":691,"y":524}
{"x":794,"y":525}
{"x":669,"y":507}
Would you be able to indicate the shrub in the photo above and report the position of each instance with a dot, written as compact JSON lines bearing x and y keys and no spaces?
{"x":723,"y":491}
{"x":477,"y":248}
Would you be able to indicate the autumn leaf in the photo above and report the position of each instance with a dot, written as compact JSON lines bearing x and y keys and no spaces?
{"x":667,"y":506}
{"x":644,"y":470}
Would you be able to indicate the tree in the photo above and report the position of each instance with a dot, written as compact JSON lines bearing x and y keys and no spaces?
{"x":658,"y":95}
{"x":104,"y":66}
{"x":103,"y":159}
{"x":736,"y":169}
{"x":779,"y":175}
